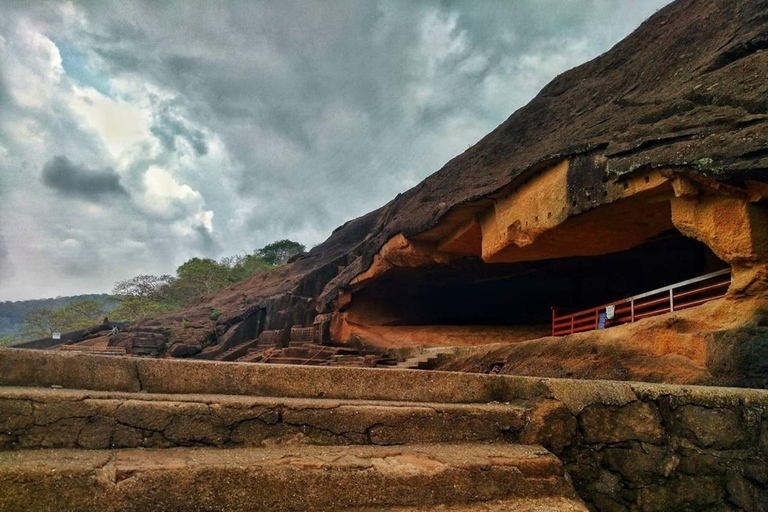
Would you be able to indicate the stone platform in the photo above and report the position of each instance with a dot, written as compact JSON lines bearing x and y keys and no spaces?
{"x":116,"y":433}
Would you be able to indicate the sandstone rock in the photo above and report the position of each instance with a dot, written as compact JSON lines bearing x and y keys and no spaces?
{"x":641,"y":464}
{"x":184,"y":350}
{"x":747,"y":495}
{"x":739,"y":357}
{"x":128,"y":437}
{"x":637,"y":421}
{"x":60,"y":433}
{"x":706,"y":463}
{"x":97,"y":433}
{"x":137,"y":414}
{"x":711,"y":428}
{"x":683,"y":493}
{"x":551,"y":425}
{"x":17,"y":415}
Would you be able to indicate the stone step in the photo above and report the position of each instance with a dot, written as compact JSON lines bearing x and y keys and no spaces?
{"x":253,"y":356}
{"x":41,"y":368}
{"x":90,"y":349}
{"x":237,"y":351}
{"x":514,"y":505}
{"x":307,"y":360}
{"x":277,"y":478}
{"x":61,"y":418}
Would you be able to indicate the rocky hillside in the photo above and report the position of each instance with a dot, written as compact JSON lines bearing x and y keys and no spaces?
{"x":686,"y":91}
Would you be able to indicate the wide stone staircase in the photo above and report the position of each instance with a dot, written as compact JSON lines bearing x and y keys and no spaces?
{"x":82,"y":432}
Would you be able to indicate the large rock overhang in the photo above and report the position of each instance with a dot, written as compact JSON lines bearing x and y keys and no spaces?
{"x":573,"y":208}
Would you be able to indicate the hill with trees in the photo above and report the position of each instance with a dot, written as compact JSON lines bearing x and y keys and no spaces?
{"x":139,"y":296}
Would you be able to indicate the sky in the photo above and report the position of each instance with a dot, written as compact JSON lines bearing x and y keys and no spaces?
{"x":135,"y":135}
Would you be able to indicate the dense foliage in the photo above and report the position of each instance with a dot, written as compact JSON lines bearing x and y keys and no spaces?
{"x":279,"y":252}
{"x":146,"y":295}
{"x":44,"y":322}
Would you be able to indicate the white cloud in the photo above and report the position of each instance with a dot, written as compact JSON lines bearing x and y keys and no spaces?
{"x":261,"y":122}
{"x":118,"y":124}
{"x":32,"y":65}
{"x":166,"y":197}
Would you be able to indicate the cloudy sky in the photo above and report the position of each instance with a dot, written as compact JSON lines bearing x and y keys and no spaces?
{"x":136,"y":134}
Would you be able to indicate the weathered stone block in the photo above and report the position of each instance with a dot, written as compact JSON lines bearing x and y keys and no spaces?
{"x":607,"y":504}
{"x":203,"y":429}
{"x":682,"y":493}
{"x":51,"y":412}
{"x":756,"y":469}
{"x":127,"y":437}
{"x":720,"y":429}
{"x":636,"y":421}
{"x":184,"y":350}
{"x":694,"y":462}
{"x":607,"y":484}
{"x":551,"y":425}
{"x":640,"y":464}
{"x":15,"y":415}
{"x":144,"y":415}
{"x":59,"y":433}
{"x":97,"y":433}
{"x":747,"y":495}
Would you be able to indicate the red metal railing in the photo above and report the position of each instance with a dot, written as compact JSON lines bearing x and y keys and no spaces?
{"x":675,"y":297}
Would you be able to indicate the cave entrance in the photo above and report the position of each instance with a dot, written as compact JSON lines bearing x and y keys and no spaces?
{"x":470,"y":292}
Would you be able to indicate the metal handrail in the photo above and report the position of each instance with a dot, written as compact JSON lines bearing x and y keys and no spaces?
{"x":682,"y":283}
{"x":563,"y":323}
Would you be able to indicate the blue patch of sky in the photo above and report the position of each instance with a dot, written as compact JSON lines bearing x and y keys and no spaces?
{"x":80,"y":70}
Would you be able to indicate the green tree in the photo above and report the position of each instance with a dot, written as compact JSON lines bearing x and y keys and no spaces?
{"x":80,"y":314}
{"x":41,"y":323}
{"x":144,"y":285}
{"x":244,"y":266}
{"x":145,"y":294}
{"x":6,"y":340}
{"x":135,"y":308}
{"x":202,"y":275}
{"x":279,"y":252}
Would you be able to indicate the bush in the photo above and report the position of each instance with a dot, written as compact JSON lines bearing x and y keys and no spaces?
{"x":215,"y":314}
{"x":185,"y":323}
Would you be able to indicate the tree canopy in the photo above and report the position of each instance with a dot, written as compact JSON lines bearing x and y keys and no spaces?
{"x":279,"y":252}
{"x":44,"y":322}
{"x":146,"y":295}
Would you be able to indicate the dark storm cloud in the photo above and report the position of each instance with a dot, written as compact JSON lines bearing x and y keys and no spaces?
{"x":350,"y":98}
{"x":69,"y":179}
{"x":169,"y":128}
{"x":3,"y":90}
{"x":4,"y":269}
{"x":206,"y":243}
{"x":259,"y":120}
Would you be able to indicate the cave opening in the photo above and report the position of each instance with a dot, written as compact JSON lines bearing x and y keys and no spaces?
{"x":470,"y":292}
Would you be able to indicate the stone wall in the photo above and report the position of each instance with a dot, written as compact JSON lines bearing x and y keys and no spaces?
{"x":657,"y":448}
{"x":627,"y":446}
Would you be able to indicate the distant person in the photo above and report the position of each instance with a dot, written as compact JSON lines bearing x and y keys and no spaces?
{"x":106,"y":321}
{"x":115,"y":330}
